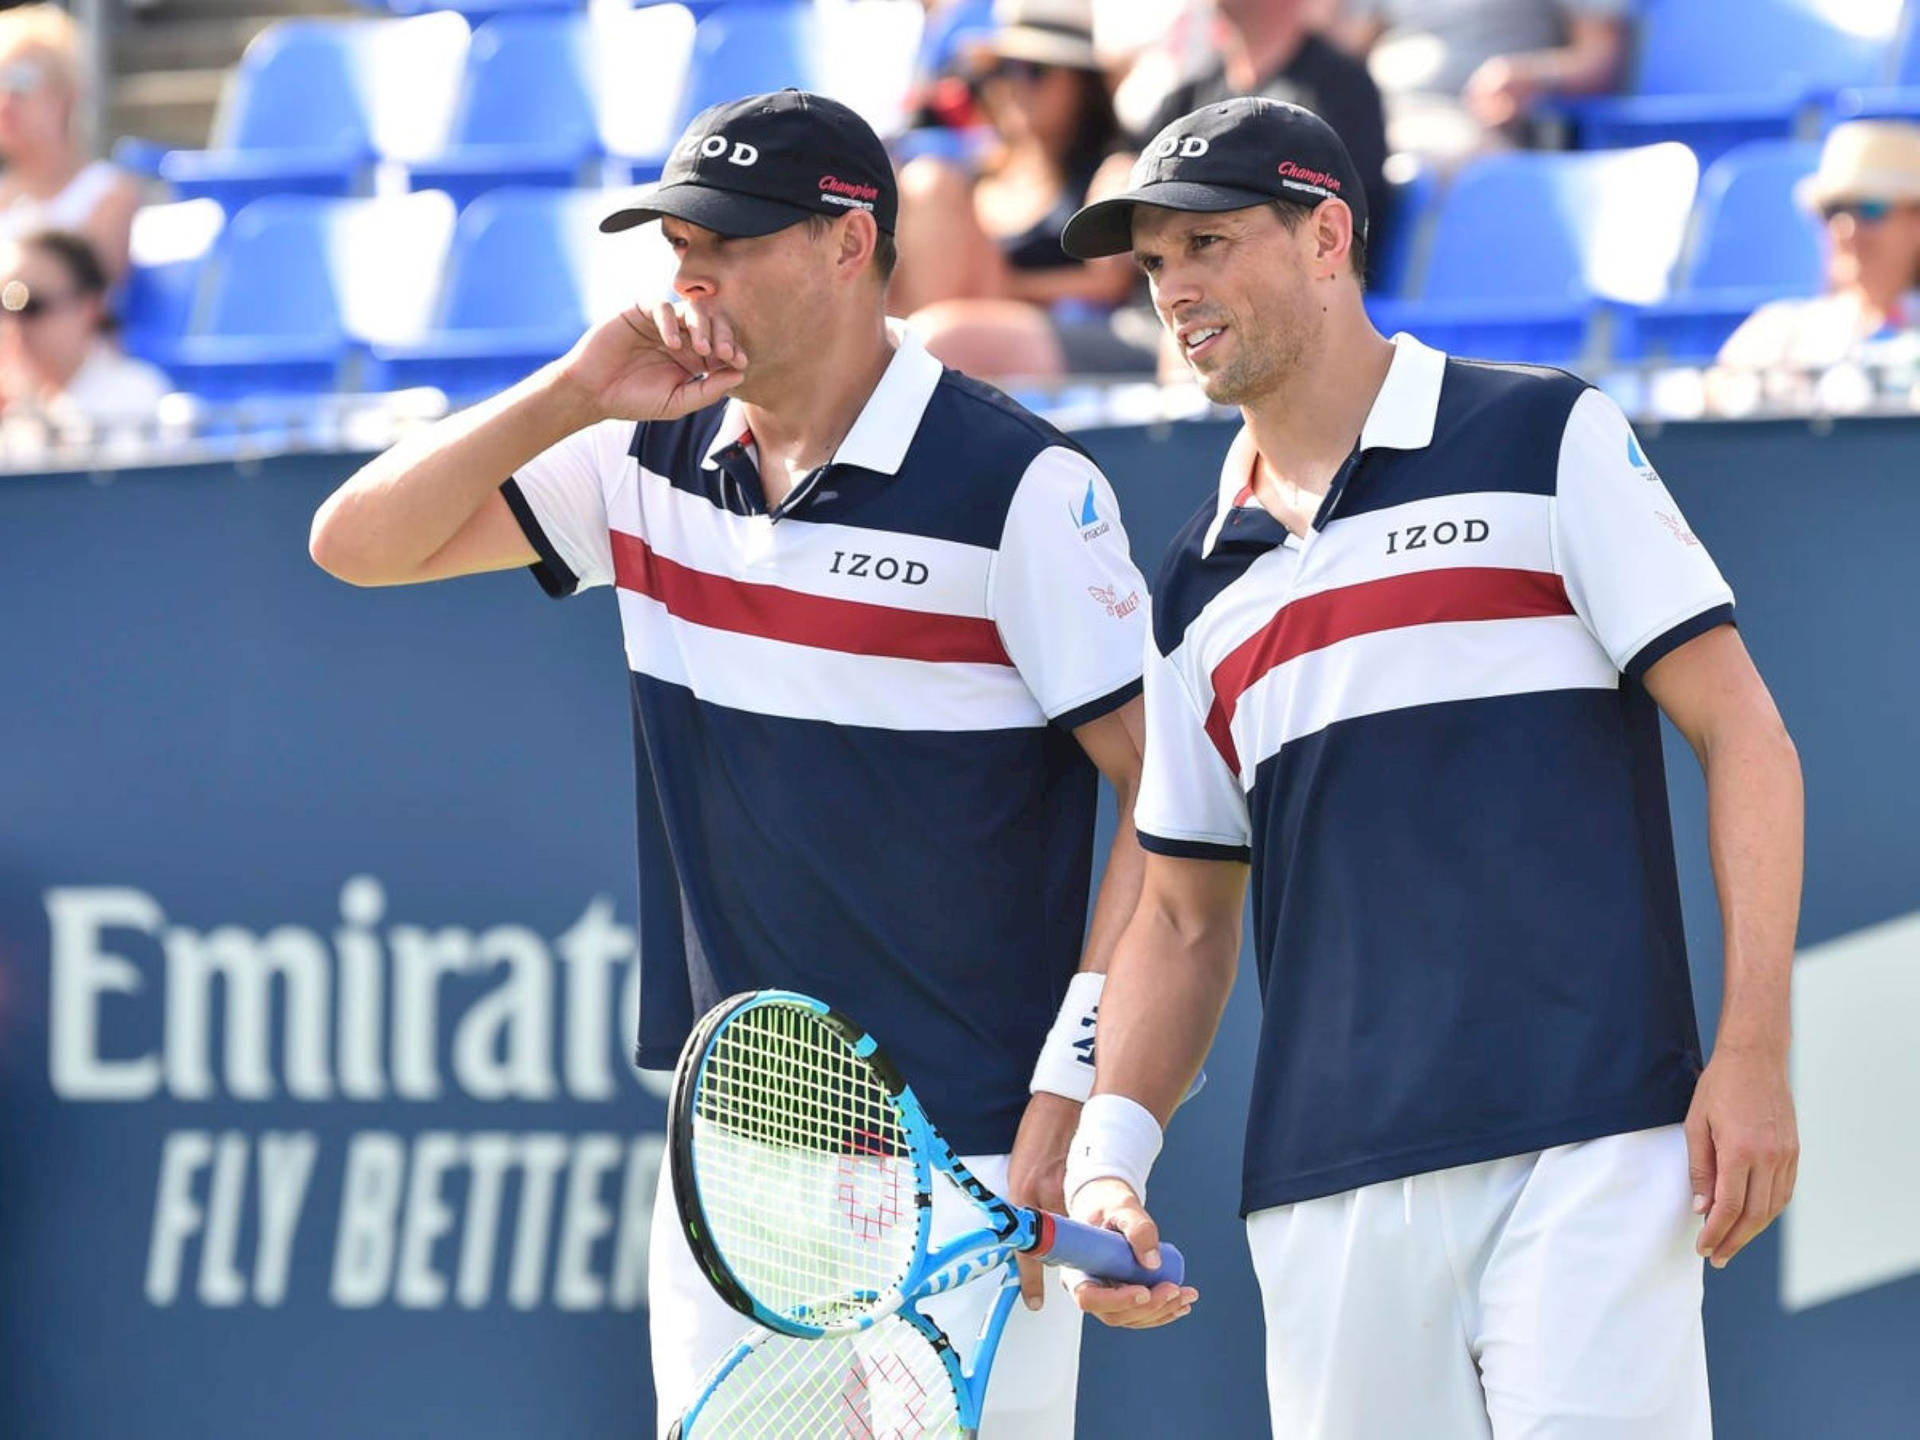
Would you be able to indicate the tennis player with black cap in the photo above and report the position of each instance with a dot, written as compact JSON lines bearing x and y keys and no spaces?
{"x":884,"y":640}
{"x":1406,"y":677}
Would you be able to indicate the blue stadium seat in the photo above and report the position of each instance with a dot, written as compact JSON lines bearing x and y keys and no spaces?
{"x":526,"y":272}
{"x":1716,"y":73}
{"x":1751,"y":243}
{"x":297,"y":284}
{"x":639,"y":123}
{"x":1397,"y":261}
{"x":750,"y":47}
{"x":1899,"y":98}
{"x":1525,"y":246}
{"x":301,"y":112}
{"x":525,"y":115}
{"x":167,"y":253}
{"x":861,"y":52}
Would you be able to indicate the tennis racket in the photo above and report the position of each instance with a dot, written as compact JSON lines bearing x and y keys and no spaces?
{"x":898,"y":1379}
{"x":803,"y":1172}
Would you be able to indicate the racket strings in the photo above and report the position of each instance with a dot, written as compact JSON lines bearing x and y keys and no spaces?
{"x":806,"y":1176}
{"x":885,"y":1383}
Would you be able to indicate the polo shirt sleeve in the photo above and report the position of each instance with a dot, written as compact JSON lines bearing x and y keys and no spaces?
{"x":1639,"y":579}
{"x":1190,"y":804}
{"x":559,"y":498}
{"x":1070,"y":606}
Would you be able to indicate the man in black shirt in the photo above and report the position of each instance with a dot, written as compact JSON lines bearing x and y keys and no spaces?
{"x":1269,"y":50}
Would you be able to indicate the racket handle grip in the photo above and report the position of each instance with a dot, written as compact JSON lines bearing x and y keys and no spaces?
{"x":1103,"y":1254}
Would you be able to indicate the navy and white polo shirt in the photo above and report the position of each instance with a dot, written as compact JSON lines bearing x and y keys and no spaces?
{"x":853,"y":715}
{"x":1425,"y":727}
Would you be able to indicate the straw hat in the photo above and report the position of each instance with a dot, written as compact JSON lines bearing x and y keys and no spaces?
{"x":1865,"y":160}
{"x":1047,"y":32}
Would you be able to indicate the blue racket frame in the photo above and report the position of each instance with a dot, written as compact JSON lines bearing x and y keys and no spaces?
{"x":1010,"y":1229}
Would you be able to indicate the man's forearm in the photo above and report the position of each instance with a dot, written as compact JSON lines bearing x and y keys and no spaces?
{"x":1754,"y":830}
{"x":403,"y":506}
{"x":1166,"y":990}
{"x":1119,"y":893}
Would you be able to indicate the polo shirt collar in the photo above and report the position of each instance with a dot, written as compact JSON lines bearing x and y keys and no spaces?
{"x":886,"y":425}
{"x":1401,"y":418}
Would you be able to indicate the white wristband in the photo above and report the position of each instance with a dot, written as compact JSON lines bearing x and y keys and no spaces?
{"x":1117,"y":1138}
{"x":1065,"y":1066}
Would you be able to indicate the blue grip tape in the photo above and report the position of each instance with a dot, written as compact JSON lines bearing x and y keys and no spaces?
{"x":1105,"y":1255}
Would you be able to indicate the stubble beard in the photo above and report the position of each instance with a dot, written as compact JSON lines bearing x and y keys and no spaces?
{"x":1267,"y":357}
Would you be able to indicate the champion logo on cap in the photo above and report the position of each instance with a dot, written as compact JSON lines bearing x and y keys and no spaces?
{"x":851,"y":193}
{"x":1310,"y":179}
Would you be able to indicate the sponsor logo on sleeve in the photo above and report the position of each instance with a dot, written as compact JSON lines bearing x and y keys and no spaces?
{"x":1637,"y":458}
{"x":1109,"y":599}
{"x":1087,"y":515}
{"x":1675,"y":528}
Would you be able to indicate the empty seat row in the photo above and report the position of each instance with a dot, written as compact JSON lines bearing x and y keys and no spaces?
{"x":302,"y":294}
{"x":343,"y":106}
{"x":1559,"y":258}
{"x":1717,"y":73}
{"x":1574,"y":257}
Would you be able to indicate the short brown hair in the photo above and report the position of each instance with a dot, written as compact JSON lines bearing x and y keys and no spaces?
{"x":886,"y":251}
{"x":1292,"y":215}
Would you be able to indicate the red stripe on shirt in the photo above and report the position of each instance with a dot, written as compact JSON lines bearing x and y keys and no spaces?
{"x":1430,"y":597}
{"x":775,"y":613}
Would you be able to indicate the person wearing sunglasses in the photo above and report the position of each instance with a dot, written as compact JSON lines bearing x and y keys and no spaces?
{"x":60,"y":372}
{"x":49,"y":181}
{"x":982,"y":275}
{"x":1866,"y":196}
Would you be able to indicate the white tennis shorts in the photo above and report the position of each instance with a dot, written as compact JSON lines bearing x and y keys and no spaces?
{"x":1035,"y":1375}
{"x":1548,"y":1296}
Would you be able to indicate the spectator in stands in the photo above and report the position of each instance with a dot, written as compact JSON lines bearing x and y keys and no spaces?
{"x":1867,"y":192}
{"x":1272,"y":48}
{"x":982,"y":274}
{"x":49,"y":183}
{"x":59,"y":367}
{"x":1462,"y":76}
{"x":943,"y":98}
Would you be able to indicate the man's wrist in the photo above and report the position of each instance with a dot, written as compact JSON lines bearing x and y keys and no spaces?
{"x":1065,"y":1065}
{"x":569,"y":403}
{"x":1117,"y":1138}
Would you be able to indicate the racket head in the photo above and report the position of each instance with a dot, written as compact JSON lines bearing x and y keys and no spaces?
{"x":898,"y":1379}
{"x":801,"y":1178}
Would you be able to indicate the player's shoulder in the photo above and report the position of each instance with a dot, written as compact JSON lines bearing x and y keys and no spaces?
{"x":974,"y":449}
{"x":1479,"y":392}
{"x":1500,"y":425}
{"x":997,"y":432}
{"x":1189,"y":578}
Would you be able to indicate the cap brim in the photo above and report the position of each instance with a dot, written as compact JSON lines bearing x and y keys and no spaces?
{"x":1106,"y":227}
{"x":722,"y":211}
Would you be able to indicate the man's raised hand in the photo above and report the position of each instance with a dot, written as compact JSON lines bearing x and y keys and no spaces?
{"x":654,"y":365}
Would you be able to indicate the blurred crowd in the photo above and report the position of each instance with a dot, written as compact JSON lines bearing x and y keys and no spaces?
{"x":1033,"y":107}
{"x":65,"y":221}
{"x":1023,"y":110}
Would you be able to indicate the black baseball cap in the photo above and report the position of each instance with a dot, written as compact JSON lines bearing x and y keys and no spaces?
{"x":1238,"y":153}
{"x":754,"y":166}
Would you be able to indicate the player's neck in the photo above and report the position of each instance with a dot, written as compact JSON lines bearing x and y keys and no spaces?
{"x":1307,"y":425}
{"x":799,"y":417}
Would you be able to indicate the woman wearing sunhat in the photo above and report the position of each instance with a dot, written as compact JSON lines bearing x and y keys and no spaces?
{"x":981,"y":268}
{"x":1866,"y":193}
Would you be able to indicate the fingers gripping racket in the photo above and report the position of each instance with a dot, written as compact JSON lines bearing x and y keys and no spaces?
{"x":803,"y":1172}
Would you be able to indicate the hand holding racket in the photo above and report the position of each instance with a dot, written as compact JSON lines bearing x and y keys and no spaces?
{"x":802,"y":1168}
